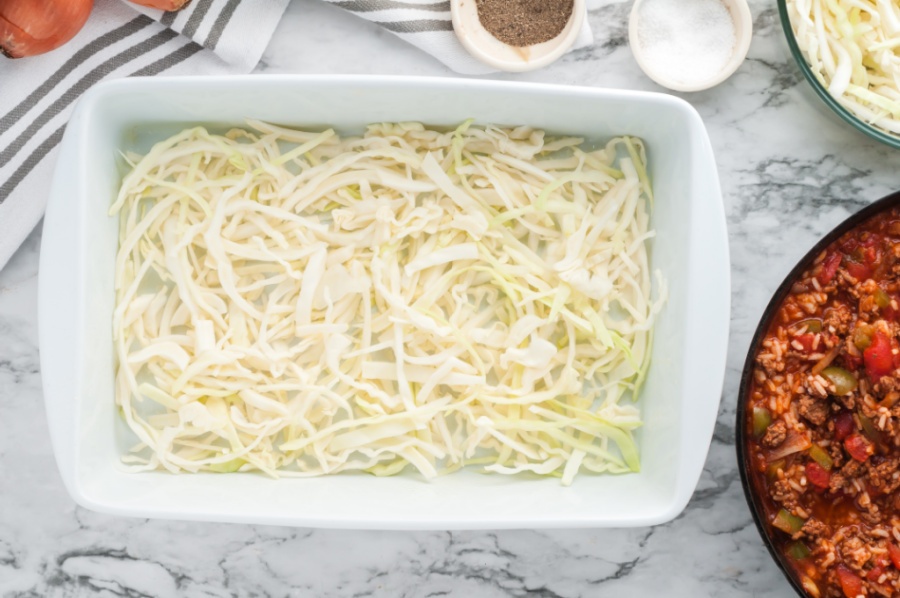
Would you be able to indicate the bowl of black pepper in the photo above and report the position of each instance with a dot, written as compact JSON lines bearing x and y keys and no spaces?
{"x":517,"y":35}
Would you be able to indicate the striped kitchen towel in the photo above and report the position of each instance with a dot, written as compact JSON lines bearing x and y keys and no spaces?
{"x":426,"y":24}
{"x":119,"y":40}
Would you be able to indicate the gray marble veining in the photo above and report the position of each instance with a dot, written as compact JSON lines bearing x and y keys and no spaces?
{"x":789,"y":172}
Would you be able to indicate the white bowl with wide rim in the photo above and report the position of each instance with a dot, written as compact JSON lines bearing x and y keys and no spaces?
{"x":679,"y":402}
{"x":481,"y":44}
{"x":743,"y":32}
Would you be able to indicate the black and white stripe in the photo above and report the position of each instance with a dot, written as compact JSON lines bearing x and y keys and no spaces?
{"x":403,"y":16}
{"x":215,"y":34}
{"x":373,"y":5}
{"x":203,"y":20}
{"x":428,"y":25}
{"x":418,"y":26}
{"x":82,"y":55}
{"x":71,"y":93}
{"x":116,"y":42}
{"x":155,"y":68}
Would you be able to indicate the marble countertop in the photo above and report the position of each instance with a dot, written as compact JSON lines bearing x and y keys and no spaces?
{"x":789,"y":171}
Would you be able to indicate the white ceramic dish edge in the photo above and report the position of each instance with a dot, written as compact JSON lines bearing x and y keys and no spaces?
{"x":75,"y":301}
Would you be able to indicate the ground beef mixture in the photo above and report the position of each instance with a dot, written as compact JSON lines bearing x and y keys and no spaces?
{"x":823,"y":417}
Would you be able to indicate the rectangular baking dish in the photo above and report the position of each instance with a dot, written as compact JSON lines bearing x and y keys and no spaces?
{"x":679,"y":402}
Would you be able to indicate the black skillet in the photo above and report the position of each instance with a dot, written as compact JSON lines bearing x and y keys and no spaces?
{"x":756,"y":508}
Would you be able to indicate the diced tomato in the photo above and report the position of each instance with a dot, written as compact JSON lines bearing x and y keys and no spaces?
{"x":850,"y":245}
{"x":817,"y":475}
{"x":873,"y":575}
{"x":858,"y":270}
{"x":843,"y":425}
{"x":895,"y":554}
{"x":850,"y":582}
{"x":859,"y":447}
{"x":830,"y":266}
{"x":870,"y":252}
{"x":852,"y":362}
{"x":807,"y":340}
{"x":889,"y":313}
{"x":870,"y":249}
{"x":879,"y":357}
{"x":870,"y":255}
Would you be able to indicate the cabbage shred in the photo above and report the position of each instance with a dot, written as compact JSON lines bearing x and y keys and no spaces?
{"x":298,"y":303}
{"x":851,"y":48}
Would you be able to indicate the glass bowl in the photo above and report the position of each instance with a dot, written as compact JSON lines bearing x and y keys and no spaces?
{"x":845,"y":114}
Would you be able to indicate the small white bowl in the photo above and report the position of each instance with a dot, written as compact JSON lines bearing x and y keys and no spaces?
{"x":491,"y":51}
{"x":743,"y":31}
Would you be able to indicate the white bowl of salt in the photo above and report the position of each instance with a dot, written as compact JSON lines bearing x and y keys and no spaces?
{"x":690,"y":45}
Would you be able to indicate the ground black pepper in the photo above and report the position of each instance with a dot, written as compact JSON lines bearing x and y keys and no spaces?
{"x":524,"y":22}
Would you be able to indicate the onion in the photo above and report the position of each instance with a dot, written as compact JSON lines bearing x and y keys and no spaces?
{"x":32,"y":27}
{"x":825,"y":361}
{"x":167,"y":5}
{"x":794,"y":443}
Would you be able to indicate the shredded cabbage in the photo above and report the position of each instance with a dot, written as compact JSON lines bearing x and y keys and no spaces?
{"x":851,"y":47}
{"x":298,"y":303}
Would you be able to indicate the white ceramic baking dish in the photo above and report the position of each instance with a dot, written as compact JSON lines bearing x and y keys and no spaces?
{"x":679,"y":402}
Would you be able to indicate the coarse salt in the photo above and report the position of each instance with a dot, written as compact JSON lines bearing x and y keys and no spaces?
{"x":687,"y":42}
